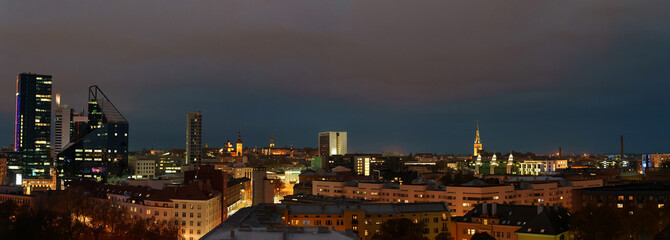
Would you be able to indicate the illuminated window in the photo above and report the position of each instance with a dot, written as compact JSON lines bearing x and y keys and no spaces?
{"x":660,"y":205}
{"x":619,"y":205}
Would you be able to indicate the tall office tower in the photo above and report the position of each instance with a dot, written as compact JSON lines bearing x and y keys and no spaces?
{"x":193,"y":137}
{"x":332,"y":143}
{"x":32,"y":135}
{"x":239,"y":147}
{"x":62,"y":124}
{"x":478,"y":142}
{"x":103,"y":149}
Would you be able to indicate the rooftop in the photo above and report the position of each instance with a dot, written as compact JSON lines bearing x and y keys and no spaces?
{"x":193,"y":191}
{"x":530,"y":219}
{"x":278,"y":233}
{"x":650,"y":188}
{"x":369,"y":208}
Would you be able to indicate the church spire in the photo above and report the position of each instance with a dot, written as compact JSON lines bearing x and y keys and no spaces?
{"x":239,"y":136}
{"x":477,"y":140}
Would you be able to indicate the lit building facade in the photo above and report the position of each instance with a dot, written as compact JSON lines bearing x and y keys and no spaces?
{"x":195,"y":207}
{"x":365,"y":165}
{"x":366,"y":219}
{"x":193,"y":137}
{"x":143,"y":168}
{"x":103,"y":149}
{"x":32,"y":135}
{"x":62,"y":124}
{"x":332,"y":143}
{"x":460,"y":199}
{"x":478,"y":143}
{"x":537,"y":167}
{"x":239,"y":148}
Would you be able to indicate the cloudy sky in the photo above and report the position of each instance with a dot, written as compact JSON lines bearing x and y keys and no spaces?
{"x":406,"y":76}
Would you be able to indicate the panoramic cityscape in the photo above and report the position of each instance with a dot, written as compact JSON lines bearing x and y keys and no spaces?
{"x":334,"y":120}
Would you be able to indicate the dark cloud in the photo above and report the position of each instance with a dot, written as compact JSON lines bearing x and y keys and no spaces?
{"x":395,"y":74}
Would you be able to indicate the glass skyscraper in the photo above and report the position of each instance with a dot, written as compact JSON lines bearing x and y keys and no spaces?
{"x":103,"y":148}
{"x":32,"y":135}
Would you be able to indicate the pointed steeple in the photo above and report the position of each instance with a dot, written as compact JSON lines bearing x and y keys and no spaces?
{"x":272,"y":142}
{"x":477,"y":139}
{"x":478,"y":142}
{"x":239,"y":136}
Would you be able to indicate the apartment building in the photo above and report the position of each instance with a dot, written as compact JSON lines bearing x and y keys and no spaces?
{"x":363,"y":220}
{"x":513,"y":222}
{"x":461,"y":198}
{"x":196,"y":207}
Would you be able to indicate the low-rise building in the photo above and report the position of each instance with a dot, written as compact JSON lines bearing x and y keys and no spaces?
{"x":513,"y":222}
{"x":460,"y":198}
{"x":316,"y":199}
{"x":277,"y":233}
{"x":15,"y":193}
{"x":195,"y":207}
{"x":364,"y":220}
{"x":651,"y":195}
{"x":537,"y":167}
{"x":143,"y":168}
{"x":243,"y":172}
{"x":264,"y":221}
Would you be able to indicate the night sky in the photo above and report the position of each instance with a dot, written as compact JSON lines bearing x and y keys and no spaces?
{"x":398,"y":76}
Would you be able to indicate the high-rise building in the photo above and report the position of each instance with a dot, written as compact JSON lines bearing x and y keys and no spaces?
{"x":332,"y":143}
{"x":478,"y":143}
{"x":193,"y":137}
{"x":62,"y":124}
{"x":32,"y":136}
{"x":103,"y":149}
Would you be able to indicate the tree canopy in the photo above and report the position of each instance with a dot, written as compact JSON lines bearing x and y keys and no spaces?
{"x":69,"y":215}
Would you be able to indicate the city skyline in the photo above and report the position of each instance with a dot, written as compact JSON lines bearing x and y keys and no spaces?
{"x":566,"y":81}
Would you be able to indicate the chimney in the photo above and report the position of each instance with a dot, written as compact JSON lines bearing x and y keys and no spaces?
{"x":560,"y":153}
{"x":485,"y":209}
{"x":494,"y":208}
{"x":540,"y":208}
